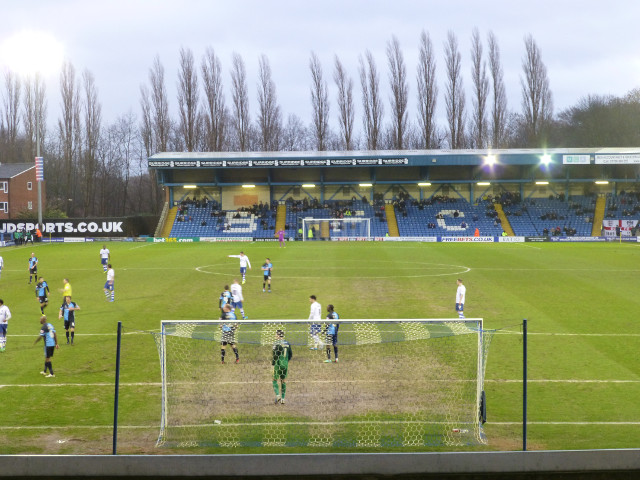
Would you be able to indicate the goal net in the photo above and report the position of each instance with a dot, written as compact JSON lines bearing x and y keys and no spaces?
{"x":397,"y":383}
{"x":328,"y":228}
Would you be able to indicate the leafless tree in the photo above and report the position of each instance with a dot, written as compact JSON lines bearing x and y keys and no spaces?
{"x":319,"y":103}
{"x":294,"y":135}
{"x":371,"y":102}
{"x":146,"y":125}
{"x":11,"y":117}
{"x":160,"y":106}
{"x":69,"y":130}
{"x":214,"y":111}
{"x":537,"y":104}
{"x":125,"y":135}
{"x":480,"y":92}
{"x":427,"y":92}
{"x":240,"y":98}
{"x":188,"y":98}
{"x":92,"y":130}
{"x":269,"y":115}
{"x":346,"y":111}
{"x":399,"y":92}
{"x":499,"y":107}
{"x":455,"y":98}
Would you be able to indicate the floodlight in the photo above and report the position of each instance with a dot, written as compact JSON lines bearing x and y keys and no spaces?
{"x":308,"y":185}
{"x":490,"y":160}
{"x":424,"y":184}
{"x":602,"y":182}
{"x":542,"y":182}
{"x":484,"y":184}
{"x":366,"y":184}
{"x":189,"y":186}
{"x":545,"y":159}
{"x":248,"y":186}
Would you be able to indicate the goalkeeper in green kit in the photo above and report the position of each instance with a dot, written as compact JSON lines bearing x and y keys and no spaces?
{"x":280,"y":361}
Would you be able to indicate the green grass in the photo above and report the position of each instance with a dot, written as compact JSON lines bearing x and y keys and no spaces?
{"x":581,"y":301}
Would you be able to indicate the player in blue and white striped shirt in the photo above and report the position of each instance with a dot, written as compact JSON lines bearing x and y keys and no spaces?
{"x":50,"y":344}
{"x":228,"y":332}
{"x":225,"y":299}
{"x":331,"y":332}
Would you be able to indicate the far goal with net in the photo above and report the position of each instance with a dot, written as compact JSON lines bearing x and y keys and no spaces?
{"x":398,"y":383}
{"x":328,"y":228}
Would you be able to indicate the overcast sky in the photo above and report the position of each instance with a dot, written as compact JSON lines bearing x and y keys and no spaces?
{"x":588,"y":46}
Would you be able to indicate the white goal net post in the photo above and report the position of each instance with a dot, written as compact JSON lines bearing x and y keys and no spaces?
{"x":398,"y":383}
{"x":327,"y":228}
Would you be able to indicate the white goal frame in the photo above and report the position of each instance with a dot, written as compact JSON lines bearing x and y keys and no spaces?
{"x":475,"y":324}
{"x":306,"y":221}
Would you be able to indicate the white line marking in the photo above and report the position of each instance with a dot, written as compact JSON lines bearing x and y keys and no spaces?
{"x":413,"y":265}
{"x":258,"y":382}
{"x":88,"y":334}
{"x":516,"y":332}
{"x":154,"y":427}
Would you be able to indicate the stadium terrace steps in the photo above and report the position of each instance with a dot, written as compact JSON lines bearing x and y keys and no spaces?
{"x":281,"y":217}
{"x":506,"y":226}
{"x":392,"y":222}
{"x":598,"y":217}
{"x":168,"y":222}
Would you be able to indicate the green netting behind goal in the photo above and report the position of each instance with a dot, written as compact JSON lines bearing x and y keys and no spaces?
{"x":397,"y":384}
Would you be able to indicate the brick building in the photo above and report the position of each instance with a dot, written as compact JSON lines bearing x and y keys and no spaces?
{"x":18,"y":189}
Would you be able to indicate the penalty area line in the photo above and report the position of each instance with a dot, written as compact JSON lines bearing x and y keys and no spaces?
{"x":517,"y":332}
{"x":266,"y":424}
{"x":333,"y":382}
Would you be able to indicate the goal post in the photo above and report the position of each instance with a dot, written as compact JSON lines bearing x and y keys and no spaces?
{"x":398,"y":383}
{"x":327,"y":228}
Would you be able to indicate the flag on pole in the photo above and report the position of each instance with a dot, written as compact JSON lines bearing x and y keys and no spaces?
{"x":39,"y":169}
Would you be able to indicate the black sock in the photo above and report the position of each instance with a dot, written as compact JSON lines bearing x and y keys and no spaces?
{"x":328,"y":353}
{"x":335,"y":351}
{"x":67,"y":335}
{"x":263,"y":285}
{"x":222,"y":352}
{"x":46,"y":365}
{"x":235,"y":350}
{"x":72,"y":335}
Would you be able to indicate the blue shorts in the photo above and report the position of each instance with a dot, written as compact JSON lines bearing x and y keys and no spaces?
{"x":243,"y":270}
{"x":107,"y":286}
{"x":459,"y":307}
{"x":236,"y":304}
{"x":104,"y":261}
{"x":3,"y":328}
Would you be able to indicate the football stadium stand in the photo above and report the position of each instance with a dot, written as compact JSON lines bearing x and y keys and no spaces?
{"x":436,"y":216}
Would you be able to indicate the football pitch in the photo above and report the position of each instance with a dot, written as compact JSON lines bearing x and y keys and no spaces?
{"x":581,"y":301}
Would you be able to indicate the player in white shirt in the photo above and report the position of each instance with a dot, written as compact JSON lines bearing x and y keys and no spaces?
{"x":5,"y":315}
{"x":105,"y":256}
{"x":244,"y":263}
{"x":315,"y":319}
{"x":460,"y":297}
{"x":1,"y":265}
{"x":236,"y":293}
{"x":108,"y":286}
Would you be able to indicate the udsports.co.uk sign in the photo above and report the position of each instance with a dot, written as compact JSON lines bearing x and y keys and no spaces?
{"x":68,"y":227}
